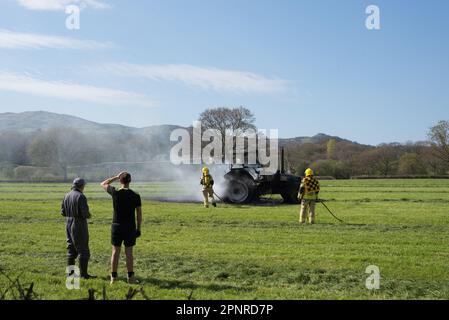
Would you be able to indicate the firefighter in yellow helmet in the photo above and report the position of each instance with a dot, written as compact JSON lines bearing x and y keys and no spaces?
{"x":208,"y":187}
{"x":308,"y":195}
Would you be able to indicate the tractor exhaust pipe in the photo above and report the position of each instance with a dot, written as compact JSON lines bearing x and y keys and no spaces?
{"x":282,"y":161}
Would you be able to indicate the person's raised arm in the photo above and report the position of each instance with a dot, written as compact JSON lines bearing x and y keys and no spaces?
{"x":105,"y":184}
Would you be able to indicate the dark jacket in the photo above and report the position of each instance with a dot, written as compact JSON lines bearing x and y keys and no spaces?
{"x":75,"y":208}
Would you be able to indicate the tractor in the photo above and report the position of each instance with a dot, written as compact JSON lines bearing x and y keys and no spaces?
{"x":245,"y":183}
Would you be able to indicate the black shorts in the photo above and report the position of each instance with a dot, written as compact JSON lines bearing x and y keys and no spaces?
{"x":123,"y":234}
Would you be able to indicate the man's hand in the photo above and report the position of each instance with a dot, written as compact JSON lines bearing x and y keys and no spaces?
{"x":107,"y":182}
{"x":138,"y":233}
{"x":120,"y":174}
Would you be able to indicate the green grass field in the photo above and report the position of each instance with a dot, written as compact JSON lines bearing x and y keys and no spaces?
{"x":242,"y":252}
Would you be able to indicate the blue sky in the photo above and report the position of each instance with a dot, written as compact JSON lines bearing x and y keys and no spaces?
{"x":303,"y":67}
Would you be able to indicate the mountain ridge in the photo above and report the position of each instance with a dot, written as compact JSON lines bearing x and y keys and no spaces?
{"x":31,"y":121}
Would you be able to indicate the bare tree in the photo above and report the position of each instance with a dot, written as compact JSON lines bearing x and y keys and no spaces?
{"x":387,"y":156}
{"x":439,"y":138}
{"x":228,"y":121}
{"x":60,"y":147}
{"x":380,"y":160}
{"x":411,"y":163}
{"x":13,"y":147}
{"x":436,"y":166}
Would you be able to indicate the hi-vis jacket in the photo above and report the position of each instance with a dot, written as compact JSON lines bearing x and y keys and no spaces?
{"x":309,"y":189}
{"x":207,"y":181}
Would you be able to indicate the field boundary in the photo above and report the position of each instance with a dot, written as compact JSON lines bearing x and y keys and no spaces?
{"x":398,"y":177}
{"x":319,"y":177}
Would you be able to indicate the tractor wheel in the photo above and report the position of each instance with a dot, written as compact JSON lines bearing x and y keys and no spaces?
{"x":240,"y":191}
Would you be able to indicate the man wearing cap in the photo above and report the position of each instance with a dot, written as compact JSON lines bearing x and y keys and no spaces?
{"x":308,"y":195}
{"x":74,"y":207}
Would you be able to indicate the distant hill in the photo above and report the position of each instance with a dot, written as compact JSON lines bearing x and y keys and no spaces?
{"x":30,"y":121}
{"x":110,"y":148}
{"x":34,"y":120}
{"x":316,"y":139}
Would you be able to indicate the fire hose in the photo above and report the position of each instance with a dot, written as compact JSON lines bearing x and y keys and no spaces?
{"x":322,"y":201}
{"x":219,"y":198}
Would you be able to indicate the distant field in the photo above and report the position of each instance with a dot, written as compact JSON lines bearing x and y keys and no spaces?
{"x":243,"y":252}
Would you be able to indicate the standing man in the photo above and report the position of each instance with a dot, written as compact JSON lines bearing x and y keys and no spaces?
{"x":74,"y":207}
{"x":308,"y":195}
{"x":208,"y":187}
{"x":126,"y":205}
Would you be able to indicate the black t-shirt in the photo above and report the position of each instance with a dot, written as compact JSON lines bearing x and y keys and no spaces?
{"x":125,"y":202}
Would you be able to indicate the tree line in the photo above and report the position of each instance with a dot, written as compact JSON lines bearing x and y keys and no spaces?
{"x":59,"y":153}
{"x":344,"y":159}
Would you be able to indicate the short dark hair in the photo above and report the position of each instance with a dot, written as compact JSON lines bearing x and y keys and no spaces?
{"x":125,"y":178}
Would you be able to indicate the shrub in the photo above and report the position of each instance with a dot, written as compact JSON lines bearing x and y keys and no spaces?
{"x":334,"y":168}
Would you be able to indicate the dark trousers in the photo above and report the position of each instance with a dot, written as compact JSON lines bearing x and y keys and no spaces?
{"x":77,"y":241}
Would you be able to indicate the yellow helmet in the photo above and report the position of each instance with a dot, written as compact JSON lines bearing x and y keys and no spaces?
{"x":309,"y":172}
{"x":205,"y":170}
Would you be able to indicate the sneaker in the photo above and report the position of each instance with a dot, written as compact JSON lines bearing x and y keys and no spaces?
{"x":133,"y":280}
{"x":113,"y":280}
{"x":88,"y":276}
{"x":214,"y":204}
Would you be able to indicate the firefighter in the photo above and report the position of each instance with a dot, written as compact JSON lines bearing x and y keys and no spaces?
{"x":208,"y":191}
{"x":74,"y":207}
{"x":308,"y":195}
